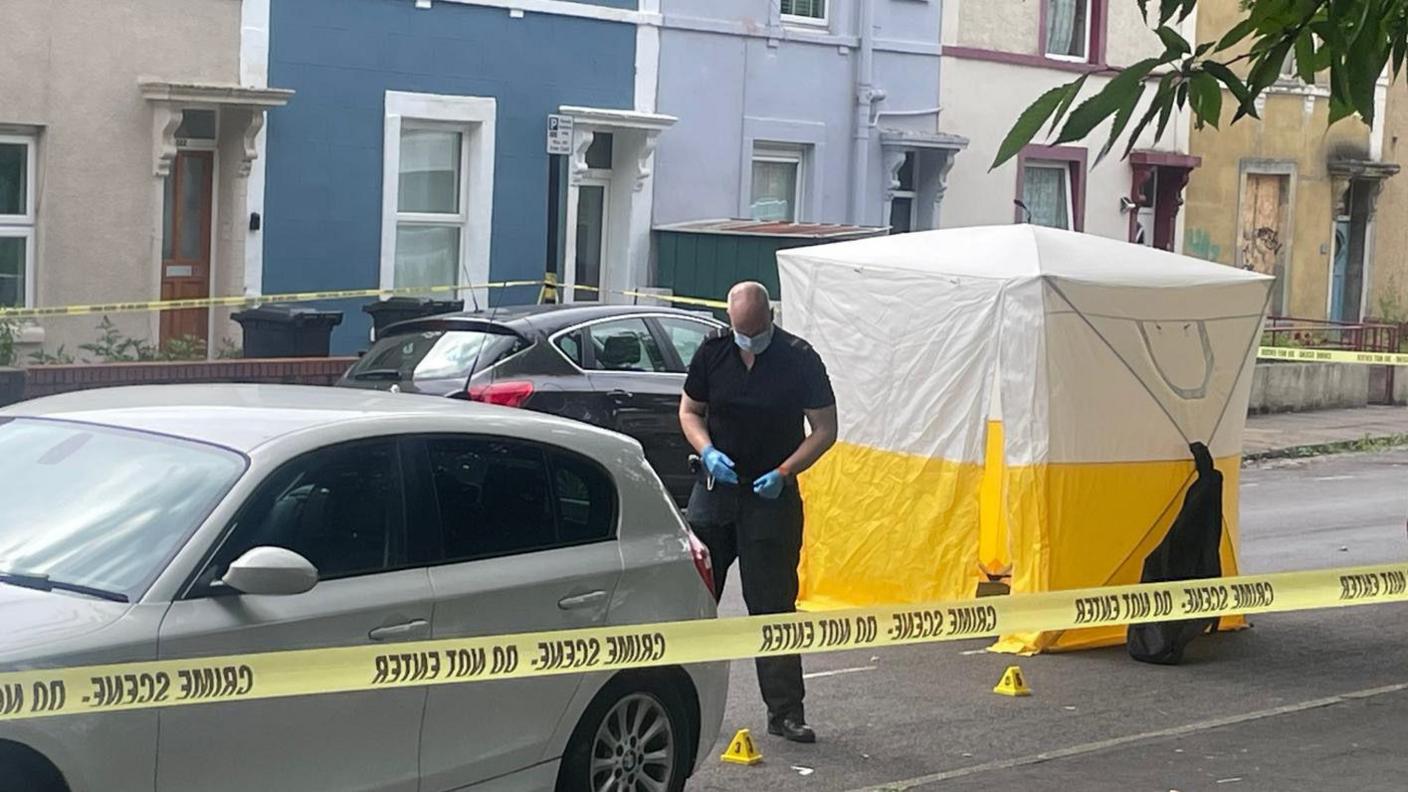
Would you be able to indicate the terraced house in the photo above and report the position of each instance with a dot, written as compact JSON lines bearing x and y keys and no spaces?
{"x":999,"y":56}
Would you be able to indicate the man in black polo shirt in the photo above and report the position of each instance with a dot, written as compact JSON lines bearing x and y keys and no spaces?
{"x":748,"y":390}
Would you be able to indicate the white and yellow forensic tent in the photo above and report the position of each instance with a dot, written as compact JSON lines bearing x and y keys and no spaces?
{"x":1014,"y":399}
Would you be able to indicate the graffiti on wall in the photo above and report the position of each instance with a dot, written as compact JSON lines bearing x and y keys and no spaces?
{"x":1200,"y":245}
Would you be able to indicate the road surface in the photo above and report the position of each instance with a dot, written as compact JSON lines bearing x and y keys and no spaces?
{"x":1311,"y":700}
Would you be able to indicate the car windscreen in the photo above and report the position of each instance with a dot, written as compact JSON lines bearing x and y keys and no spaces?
{"x":434,"y":354}
{"x":85,"y":506}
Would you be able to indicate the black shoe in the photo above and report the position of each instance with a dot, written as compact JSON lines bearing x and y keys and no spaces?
{"x":792,"y":729}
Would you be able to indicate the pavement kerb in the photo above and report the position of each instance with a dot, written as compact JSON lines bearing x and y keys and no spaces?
{"x":1366,"y":443}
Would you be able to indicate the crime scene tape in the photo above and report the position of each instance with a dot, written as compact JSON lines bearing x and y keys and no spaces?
{"x":241,"y":301}
{"x":204,"y":680}
{"x":1332,"y":356}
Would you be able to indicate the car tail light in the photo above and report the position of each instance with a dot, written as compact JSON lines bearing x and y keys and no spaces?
{"x":703,"y":563}
{"x":507,"y":394}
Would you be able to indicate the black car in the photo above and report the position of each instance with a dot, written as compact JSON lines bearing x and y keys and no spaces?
{"x":616,"y":366}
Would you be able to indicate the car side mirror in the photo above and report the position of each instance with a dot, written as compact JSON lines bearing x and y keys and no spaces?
{"x":270,"y":571}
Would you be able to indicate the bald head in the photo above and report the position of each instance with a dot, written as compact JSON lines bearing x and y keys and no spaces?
{"x":749,"y":308}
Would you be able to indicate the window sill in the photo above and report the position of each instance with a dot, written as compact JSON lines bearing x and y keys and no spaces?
{"x":809,"y":23}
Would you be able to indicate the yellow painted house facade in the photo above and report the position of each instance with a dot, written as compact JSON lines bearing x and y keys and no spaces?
{"x":1320,"y":207}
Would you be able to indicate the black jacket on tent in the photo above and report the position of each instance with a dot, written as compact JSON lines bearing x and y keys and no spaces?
{"x":1190,"y":551}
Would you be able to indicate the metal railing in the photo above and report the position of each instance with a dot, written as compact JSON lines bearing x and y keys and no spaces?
{"x":1287,"y":331}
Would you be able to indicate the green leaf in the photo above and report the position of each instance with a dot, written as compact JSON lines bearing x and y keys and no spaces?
{"x":1122,"y":117}
{"x":1072,"y":91}
{"x":1163,"y":100}
{"x":1167,"y":8}
{"x":1167,"y":111}
{"x":1246,"y":104}
{"x":1144,"y":10}
{"x":1239,"y":32}
{"x":1305,"y":57}
{"x":1339,"y":109}
{"x":1173,"y":42}
{"x":1028,"y":123}
{"x":1206,"y":97}
{"x":1188,"y":6}
{"x":1267,"y":67}
{"x":1123,"y":89}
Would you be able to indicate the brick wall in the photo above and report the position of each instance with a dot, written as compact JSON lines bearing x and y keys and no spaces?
{"x":49,"y":380}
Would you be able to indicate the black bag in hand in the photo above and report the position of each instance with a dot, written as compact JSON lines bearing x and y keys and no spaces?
{"x":1190,"y":551}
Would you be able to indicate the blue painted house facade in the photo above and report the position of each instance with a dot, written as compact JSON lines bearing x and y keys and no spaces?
{"x":415,"y":153}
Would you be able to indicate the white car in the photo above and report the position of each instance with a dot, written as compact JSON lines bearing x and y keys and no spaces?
{"x":187,"y":521}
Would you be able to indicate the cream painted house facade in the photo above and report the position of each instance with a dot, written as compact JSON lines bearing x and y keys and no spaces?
{"x":130,"y":135}
{"x":998,"y":57}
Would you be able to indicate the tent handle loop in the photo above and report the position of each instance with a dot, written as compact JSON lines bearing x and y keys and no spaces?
{"x":1201,"y":390}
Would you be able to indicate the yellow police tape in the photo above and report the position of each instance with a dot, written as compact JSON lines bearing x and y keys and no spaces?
{"x":188,"y":681}
{"x":548,"y":290}
{"x":241,"y":301}
{"x":1333,"y":356}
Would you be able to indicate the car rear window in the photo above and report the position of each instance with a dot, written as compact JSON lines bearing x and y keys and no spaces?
{"x":435,"y":354}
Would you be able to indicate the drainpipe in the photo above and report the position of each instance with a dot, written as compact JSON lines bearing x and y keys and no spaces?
{"x":867,"y":96}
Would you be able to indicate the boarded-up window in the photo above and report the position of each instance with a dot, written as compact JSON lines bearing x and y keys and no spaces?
{"x":1264,"y":245}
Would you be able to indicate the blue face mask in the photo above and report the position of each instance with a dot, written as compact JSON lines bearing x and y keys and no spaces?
{"x":757,"y":344}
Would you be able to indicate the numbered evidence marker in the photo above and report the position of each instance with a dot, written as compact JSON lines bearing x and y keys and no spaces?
{"x":1013,"y":683}
{"x":741,"y":750}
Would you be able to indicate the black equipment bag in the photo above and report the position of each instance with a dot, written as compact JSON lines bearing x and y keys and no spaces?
{"x":1189,"y":552}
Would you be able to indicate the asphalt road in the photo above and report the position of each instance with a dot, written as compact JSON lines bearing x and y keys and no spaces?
{"x":1311,"y":700}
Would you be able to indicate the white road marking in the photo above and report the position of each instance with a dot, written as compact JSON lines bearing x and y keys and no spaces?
{"x":838,"y":672}
{"x":1177,"y":731}
{"x":1334,"y":478}
{"x":972,"y":652}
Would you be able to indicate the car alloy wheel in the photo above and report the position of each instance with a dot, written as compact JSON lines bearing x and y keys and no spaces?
{"x":635,"y":748}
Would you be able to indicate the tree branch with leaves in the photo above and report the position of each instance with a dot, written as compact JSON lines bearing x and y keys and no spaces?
{"x":1353,"y":42}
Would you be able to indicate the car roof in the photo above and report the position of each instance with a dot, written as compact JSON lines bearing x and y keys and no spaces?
{"x":546,"y":318}
{"x":243,"y":417}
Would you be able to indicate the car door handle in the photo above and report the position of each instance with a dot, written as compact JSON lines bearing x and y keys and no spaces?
{"x":620,"y":396}
{"x":581,"y":600}
{"x":394,"y":632}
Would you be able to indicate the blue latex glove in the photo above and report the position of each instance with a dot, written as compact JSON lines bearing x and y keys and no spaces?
{"x":719,"y":465}
{"x":770,"y":485}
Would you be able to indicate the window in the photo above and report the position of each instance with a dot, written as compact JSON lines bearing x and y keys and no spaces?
{"x":17,"y":203}
{"x":501,"y":497}
{"x":1046,"y":193}
{"x":437,"y":190}
{"x":625,"y":345}
{"x":902,"y":202}
{"x":1068,"y":29}
{"x":686,"y":336}
{"x":777,"y":184}
{"x":807,"y":12}
{"x":571,"y":346}
{"x":338,"y":507}
{"x":430,"y":210}
{"x":434,"y":354}
{"x":143,"y":495}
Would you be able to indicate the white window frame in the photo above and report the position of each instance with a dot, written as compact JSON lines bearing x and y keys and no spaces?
{"x":22,"y":226}
{"x":823,"y":21}
{"x":785,"y":153}
{"x":1089,"y":28}
{"x":1065,"y":169}
{"x":474,"y":117}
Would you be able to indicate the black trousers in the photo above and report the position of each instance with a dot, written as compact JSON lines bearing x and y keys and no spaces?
{"x":766,"y":539}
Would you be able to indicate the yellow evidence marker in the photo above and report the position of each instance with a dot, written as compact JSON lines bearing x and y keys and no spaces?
{"x":742,"y":750}
{"x":1013,"y":683}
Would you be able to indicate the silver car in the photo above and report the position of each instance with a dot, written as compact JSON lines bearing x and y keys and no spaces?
{"x":186,"y":521}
